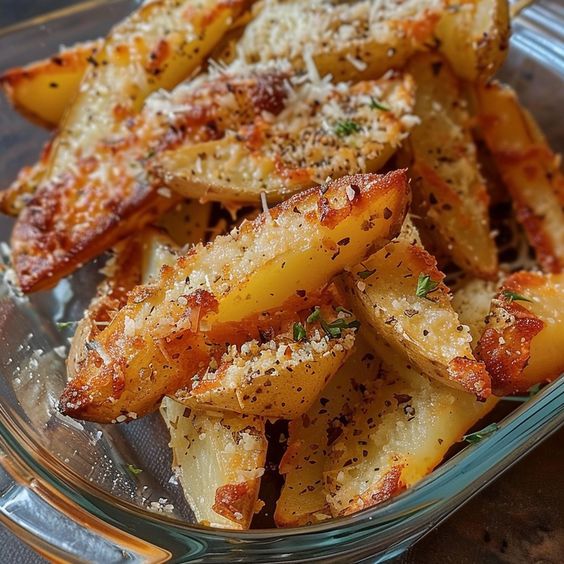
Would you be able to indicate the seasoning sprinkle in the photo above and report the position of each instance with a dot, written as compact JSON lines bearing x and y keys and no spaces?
{"x":479,"y":435}
{"x":375,"y":105}
{"x":299,"y":332}
{"x":346,"y":127}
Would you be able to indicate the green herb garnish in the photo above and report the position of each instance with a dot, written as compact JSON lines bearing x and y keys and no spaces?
{"x":532,"y":391}
{"x":375,"y":105}
{"x":334,"y":329}
{"x":479,"y":435}
{"x":425,"y":285}
{"x":314,"y":315}
{"x":133,"y":469}
{"x":299,"y":332}
{"x":346,"y":127}
{"x":514,"y":296}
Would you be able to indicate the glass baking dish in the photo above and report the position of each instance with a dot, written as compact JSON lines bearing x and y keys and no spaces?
{"x":64,"y":486}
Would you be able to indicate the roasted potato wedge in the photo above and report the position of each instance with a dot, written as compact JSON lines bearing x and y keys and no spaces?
{"x":352,"y":40}
{"x":219,"y":459}
{"x":312,"y":132}
{"x":163,"y":334}
{"x":530,"y":170}
{"x":279,"y":378}
{"x":43,"y":90}
{"x":524,"y":337}
{"x":303,"y":499}
{"x":400,"y":431}
{"x":447,"y":187}
{"x":399,"y":296}
{"x":95,"y":191}
{"x":474,"y":37}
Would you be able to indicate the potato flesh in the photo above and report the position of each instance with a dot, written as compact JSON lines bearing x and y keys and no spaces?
{"x":474,"y":37}
{"x":426,"y":329}
{"x":447,"y":185}
{"x":329,"y":228}
{"x":303,"y":500}
{"x":529,"y":169}
{"x":396,"y":436}
{"x":215,"y":453}
{"x":43,"y":90}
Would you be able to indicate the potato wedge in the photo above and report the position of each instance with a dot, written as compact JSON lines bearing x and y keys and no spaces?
{"x":524,"y":337}
{"x":530,"y":170}
{"x":42,"y":91}
{"x":474,"y":37}
{"x":303,"y":499}
{"x":447,"y":187}
{"x":363,"y":39}
{"x":397,"y":434}
{"x":95,"y":191}
{"x":279,"y":378}
{"x":399,"y":296}
{"x":313,"y":131}
{"x":219,"y":460}
{"x":290,"y":251}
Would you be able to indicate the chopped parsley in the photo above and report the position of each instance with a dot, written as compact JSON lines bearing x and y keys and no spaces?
{"x":299,"y":332}
{"x":479,"y":435}
{"x":532,"y":391}
{"x":375,"y":105}
{"x":133,"y":469}
{"x":334,"y":329}
{"x":514,"y":296}
{"x":346,"y":127}
{"x":425,"y":285}
{"x":314,"y":315}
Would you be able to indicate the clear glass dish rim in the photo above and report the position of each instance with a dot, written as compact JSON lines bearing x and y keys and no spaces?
{"x":541,"y":416}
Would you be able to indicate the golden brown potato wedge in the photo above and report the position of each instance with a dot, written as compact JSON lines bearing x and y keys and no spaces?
{"x":447,"y":187}
{"x":364,"y":39}
{"x":219,"y":460}
{"x":95,"y":190}
{"x":530,"y":170}
{"x":474,"y":37}
{"x":282,"y":376}
{"x":43,"y":90}
{"x":311,"y":132}
{"x":164,"y":332}
{"x":524,"y":337}
{"x":399,"y":296}
{"x":400,"y":431}
{"x":303,"y":499}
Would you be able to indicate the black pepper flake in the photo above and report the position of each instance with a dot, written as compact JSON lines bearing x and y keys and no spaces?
{"x":387,"y":213}
{"x":402,"y":398}
{"x":344,"y":242}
